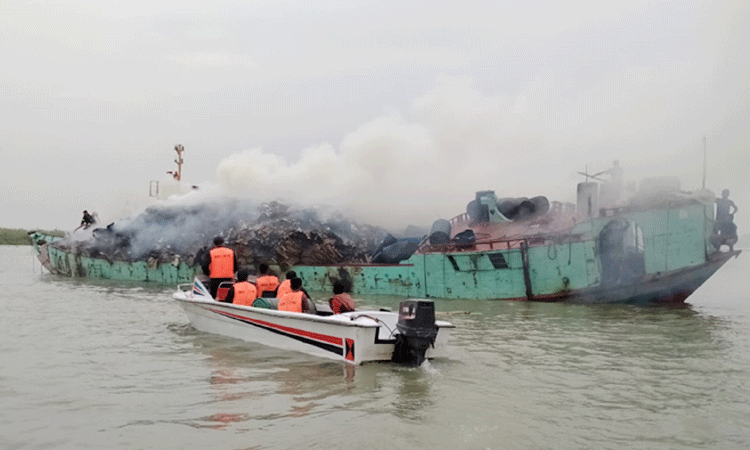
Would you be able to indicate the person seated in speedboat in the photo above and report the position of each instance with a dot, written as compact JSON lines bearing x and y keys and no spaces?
{"x":242,"y":292}
{"x":267,"y":282}
{"x":286,"y":286}
{"x":297,"y":300}
{"x":341,"y":301}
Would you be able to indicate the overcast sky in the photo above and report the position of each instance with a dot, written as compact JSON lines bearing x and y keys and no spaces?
{"x":397,"y":111}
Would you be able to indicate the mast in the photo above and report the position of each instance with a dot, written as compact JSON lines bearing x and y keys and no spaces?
{"x":179,"y":149}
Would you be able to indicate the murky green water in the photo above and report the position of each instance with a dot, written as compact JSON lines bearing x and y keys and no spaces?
{"x":93,"y":365}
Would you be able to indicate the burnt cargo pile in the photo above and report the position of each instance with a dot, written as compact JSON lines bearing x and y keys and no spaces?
{"x":272,"y":233}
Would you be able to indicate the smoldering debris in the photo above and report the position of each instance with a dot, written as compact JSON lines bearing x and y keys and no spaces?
{"x":273,"y":232}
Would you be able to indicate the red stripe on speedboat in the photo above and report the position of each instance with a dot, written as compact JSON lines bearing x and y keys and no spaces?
{"x":308,"y":334}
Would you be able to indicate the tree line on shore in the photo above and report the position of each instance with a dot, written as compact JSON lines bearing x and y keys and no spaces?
{"x":19,"y":236}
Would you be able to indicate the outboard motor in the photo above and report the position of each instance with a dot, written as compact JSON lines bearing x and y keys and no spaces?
{"x":417,"y":331}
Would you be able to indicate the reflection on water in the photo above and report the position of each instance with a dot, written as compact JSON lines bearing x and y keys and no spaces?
{"x":95,"y":364}
{"x":245,"y":373}
{"x":413,"y":392}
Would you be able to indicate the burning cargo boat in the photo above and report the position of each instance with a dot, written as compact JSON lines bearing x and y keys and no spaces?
{"x":657,"y":247}
{"x":166,"y":244}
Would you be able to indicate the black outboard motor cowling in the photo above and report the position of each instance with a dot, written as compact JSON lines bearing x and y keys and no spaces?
{"x":417,"y":331}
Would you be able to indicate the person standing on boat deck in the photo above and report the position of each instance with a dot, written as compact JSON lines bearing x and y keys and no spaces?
{"x":617,"y":180}
{"x":286,"y":286}
{"x":243,"y":292}
{"x":295,"y":301}
{"x":341,"y":301}
{"x":267,"y":282}
{"x":220,"y":265}
{"x":723,"y":206}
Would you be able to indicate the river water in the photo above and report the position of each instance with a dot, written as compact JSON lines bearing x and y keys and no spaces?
{"x":88,"y":364}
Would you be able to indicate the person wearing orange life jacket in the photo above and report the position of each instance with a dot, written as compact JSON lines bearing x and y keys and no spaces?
{"x":267,"y":282}
{"x":286,"y":286}
{"x":220,"y":265}
{"x":295,"y":301}
{"x":341,"y":301}
{"x":243,"y":292}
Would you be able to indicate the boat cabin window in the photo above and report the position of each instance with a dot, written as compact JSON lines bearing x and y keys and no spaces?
{"x":633,"y":238}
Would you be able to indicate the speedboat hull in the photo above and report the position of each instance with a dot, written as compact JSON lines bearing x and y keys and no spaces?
{"x":354,"y":337}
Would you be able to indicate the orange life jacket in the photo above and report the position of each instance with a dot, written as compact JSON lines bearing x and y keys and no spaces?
{"x":222,"y":263}
{"x":244,"y":293}
{"x":284,"y":288}
{"x":267,"y":283}
{"x":291,"y":302}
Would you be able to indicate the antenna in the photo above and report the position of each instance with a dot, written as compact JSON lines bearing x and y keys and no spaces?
{"x":592,"y":176}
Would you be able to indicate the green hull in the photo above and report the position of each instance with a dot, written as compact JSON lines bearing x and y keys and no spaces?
{"x":673,"y":254}
{"x":70,"y":264}
{"x":673,"y":246}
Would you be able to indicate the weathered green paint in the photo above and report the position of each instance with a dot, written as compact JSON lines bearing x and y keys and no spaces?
{"x":562,"y":267}
{"x":76,"y":265}
{"x":673,"y":238}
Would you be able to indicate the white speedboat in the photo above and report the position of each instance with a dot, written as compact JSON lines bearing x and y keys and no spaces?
{"x":409,"y":336}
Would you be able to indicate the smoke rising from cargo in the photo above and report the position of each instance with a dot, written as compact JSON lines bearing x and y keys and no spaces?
{"x":427,"y":162}
{"x":401,"y":169}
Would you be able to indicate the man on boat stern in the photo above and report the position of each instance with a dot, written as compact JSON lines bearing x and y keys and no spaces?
{"x":341,"y":300}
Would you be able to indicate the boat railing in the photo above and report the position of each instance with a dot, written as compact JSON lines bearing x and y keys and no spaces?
{"x":459,"y":218}
{"x":486,"y":242}
{"x":491,"y":244}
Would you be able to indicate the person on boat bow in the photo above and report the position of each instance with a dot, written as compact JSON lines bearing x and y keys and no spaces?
{"x":242,"y":292}
{"x":724,"y":206}
{"x":267,"y":282}
{"x":220,"y":265}
{"x":297,"y":300}
{"x":725,"y":230}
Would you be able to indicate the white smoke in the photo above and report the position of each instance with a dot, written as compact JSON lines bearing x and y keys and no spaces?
{"x":397,"y":170}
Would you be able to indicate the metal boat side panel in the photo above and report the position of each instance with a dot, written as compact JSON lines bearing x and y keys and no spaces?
{"x":674,"y":238}
{"x":72,"y":265}
{"x":403,"y":280}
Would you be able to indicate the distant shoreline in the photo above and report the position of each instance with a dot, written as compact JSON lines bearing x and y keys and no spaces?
{"x":19,"y":236}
